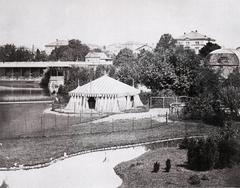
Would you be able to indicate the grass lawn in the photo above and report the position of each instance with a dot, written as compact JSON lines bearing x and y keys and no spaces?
{"x":137,"y":172}
{"x":35,"y":150}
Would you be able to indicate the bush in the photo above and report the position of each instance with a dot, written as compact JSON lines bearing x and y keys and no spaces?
{"x":203,"y":154}
{"x":218,"y":151}
{"x":229,"y":153}
{"x":168,"y":165}
{"x":156,"y":167}
{"x":186,"y":143}
{"x":194,"y":180}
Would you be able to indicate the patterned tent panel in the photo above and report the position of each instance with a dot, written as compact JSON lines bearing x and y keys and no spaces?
{"x":104,"y":86}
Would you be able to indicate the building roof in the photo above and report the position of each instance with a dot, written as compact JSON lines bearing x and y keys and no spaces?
{"x":57,"y":43}
{"x":104,"y":86}
{"x":44,"y":64}
{"x":194,"y":35}
{"x":100,"y":55}
{"x":216,"y":54}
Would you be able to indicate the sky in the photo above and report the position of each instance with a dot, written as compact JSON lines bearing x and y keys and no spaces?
{"x":102,"y":22}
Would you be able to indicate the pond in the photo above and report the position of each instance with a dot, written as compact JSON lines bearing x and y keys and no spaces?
{"x":92,"y":170}
{"x":22,"y":91}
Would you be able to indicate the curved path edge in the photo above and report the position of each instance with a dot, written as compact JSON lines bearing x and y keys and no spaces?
{"x":22,"y":167}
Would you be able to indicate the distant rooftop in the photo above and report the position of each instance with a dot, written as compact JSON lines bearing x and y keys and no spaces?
{"x":57,"y":43}
{"x":100,"y":55}
{"x":194,"y":35}
{"x":49,"y":64}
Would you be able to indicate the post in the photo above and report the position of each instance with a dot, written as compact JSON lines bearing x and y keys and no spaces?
{"x":151,"y":120}
{"x":112,"y":126}
{"x":55,"y":121}
{"x":68,"y":121}
{"x":166,"y":118}
{"x":41,"y":124}
{"x":133,"y":124}
{"x":163,"y":102}
{"x":80,"y":117}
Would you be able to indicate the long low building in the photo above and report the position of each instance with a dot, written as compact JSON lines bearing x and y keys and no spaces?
{"x":35,"y":70}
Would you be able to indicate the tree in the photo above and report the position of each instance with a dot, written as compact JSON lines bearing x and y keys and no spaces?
{"x":154,"y":71}
{"x":40,"y":55}
{"x":209,"y":47}
{"x":23,"y":54}
{"x":10,"y":52}
{"x":124,"y":57}
{"x":7,"y":53}
{"x":186,"y":67}
{"x":166,"y":42}
{"x":74,"y":51}
{"x":126,"y":68}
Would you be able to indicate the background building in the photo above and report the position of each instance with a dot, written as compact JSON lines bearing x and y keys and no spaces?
{"x":225,"y":60}
{"x":49,"y":47}
{"x":193,"y":40}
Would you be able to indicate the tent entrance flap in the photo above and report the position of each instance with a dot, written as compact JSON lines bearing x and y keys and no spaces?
{"x":91,"y":102}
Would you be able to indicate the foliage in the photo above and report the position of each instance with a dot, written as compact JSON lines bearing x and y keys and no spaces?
{"x":194,"y":180}
{"x":169,"y":68}
{"x":156,"y":167}
{"x":45,"y":78}
{"x":154,"y":72}
{"x":74,"y":51}
{"x":203,"y":155}
{"x":104,"y":69}
{"x":10,"y":52}
{"x":77,"y":76}
{"x":166,"y":42}
{"x":126,"y":68}
{"x":209,"y":47}
{"x":218,"y":151}
{"x":40,"y":56}
{"x":216,"y":99}
{"x":168,"y":165}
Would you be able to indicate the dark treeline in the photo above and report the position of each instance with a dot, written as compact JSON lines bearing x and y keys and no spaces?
{"x":74,"y":51}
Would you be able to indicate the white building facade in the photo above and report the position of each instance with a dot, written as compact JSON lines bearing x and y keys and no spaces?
{"x":194,"y":41}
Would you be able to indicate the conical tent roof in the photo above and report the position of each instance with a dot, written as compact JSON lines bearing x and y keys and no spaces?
{"x":104,"y":86}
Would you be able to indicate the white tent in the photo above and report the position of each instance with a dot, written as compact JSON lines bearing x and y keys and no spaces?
{"x":104,"y":94}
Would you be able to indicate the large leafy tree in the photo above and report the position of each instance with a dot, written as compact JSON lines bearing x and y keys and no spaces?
{"x":126,"y":68}
{"x":154,"y":72}
{"x":166,"y":42}
{"x":10,"y":52}
{"x":186,"y":66}
{"x":23,"y":54}
{"x":209,"y":47}
{"x":74,"y":51}
{"x":40,"y":55}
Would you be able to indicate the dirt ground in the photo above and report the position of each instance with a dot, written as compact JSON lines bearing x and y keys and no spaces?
{"x":137,"y":172}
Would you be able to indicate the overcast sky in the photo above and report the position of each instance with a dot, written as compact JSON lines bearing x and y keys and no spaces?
{"x":38,"y":22}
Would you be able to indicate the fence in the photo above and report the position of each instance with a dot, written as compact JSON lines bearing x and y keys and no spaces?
{"x":164,"y":102}
{"x":77,"y":124}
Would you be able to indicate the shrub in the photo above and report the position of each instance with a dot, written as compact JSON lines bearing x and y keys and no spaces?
{"x":204,"y":177}
{"x":186,"y":143}
{"x":203,"y":154}
{"x":218,"y":151}
{"x":194,"y":180}
{"x":156,"y":167}
{"x":229,"y":153}
{"x":168,"y":165}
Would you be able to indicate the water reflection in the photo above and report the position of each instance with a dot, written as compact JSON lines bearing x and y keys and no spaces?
{"x":20,"y":92}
